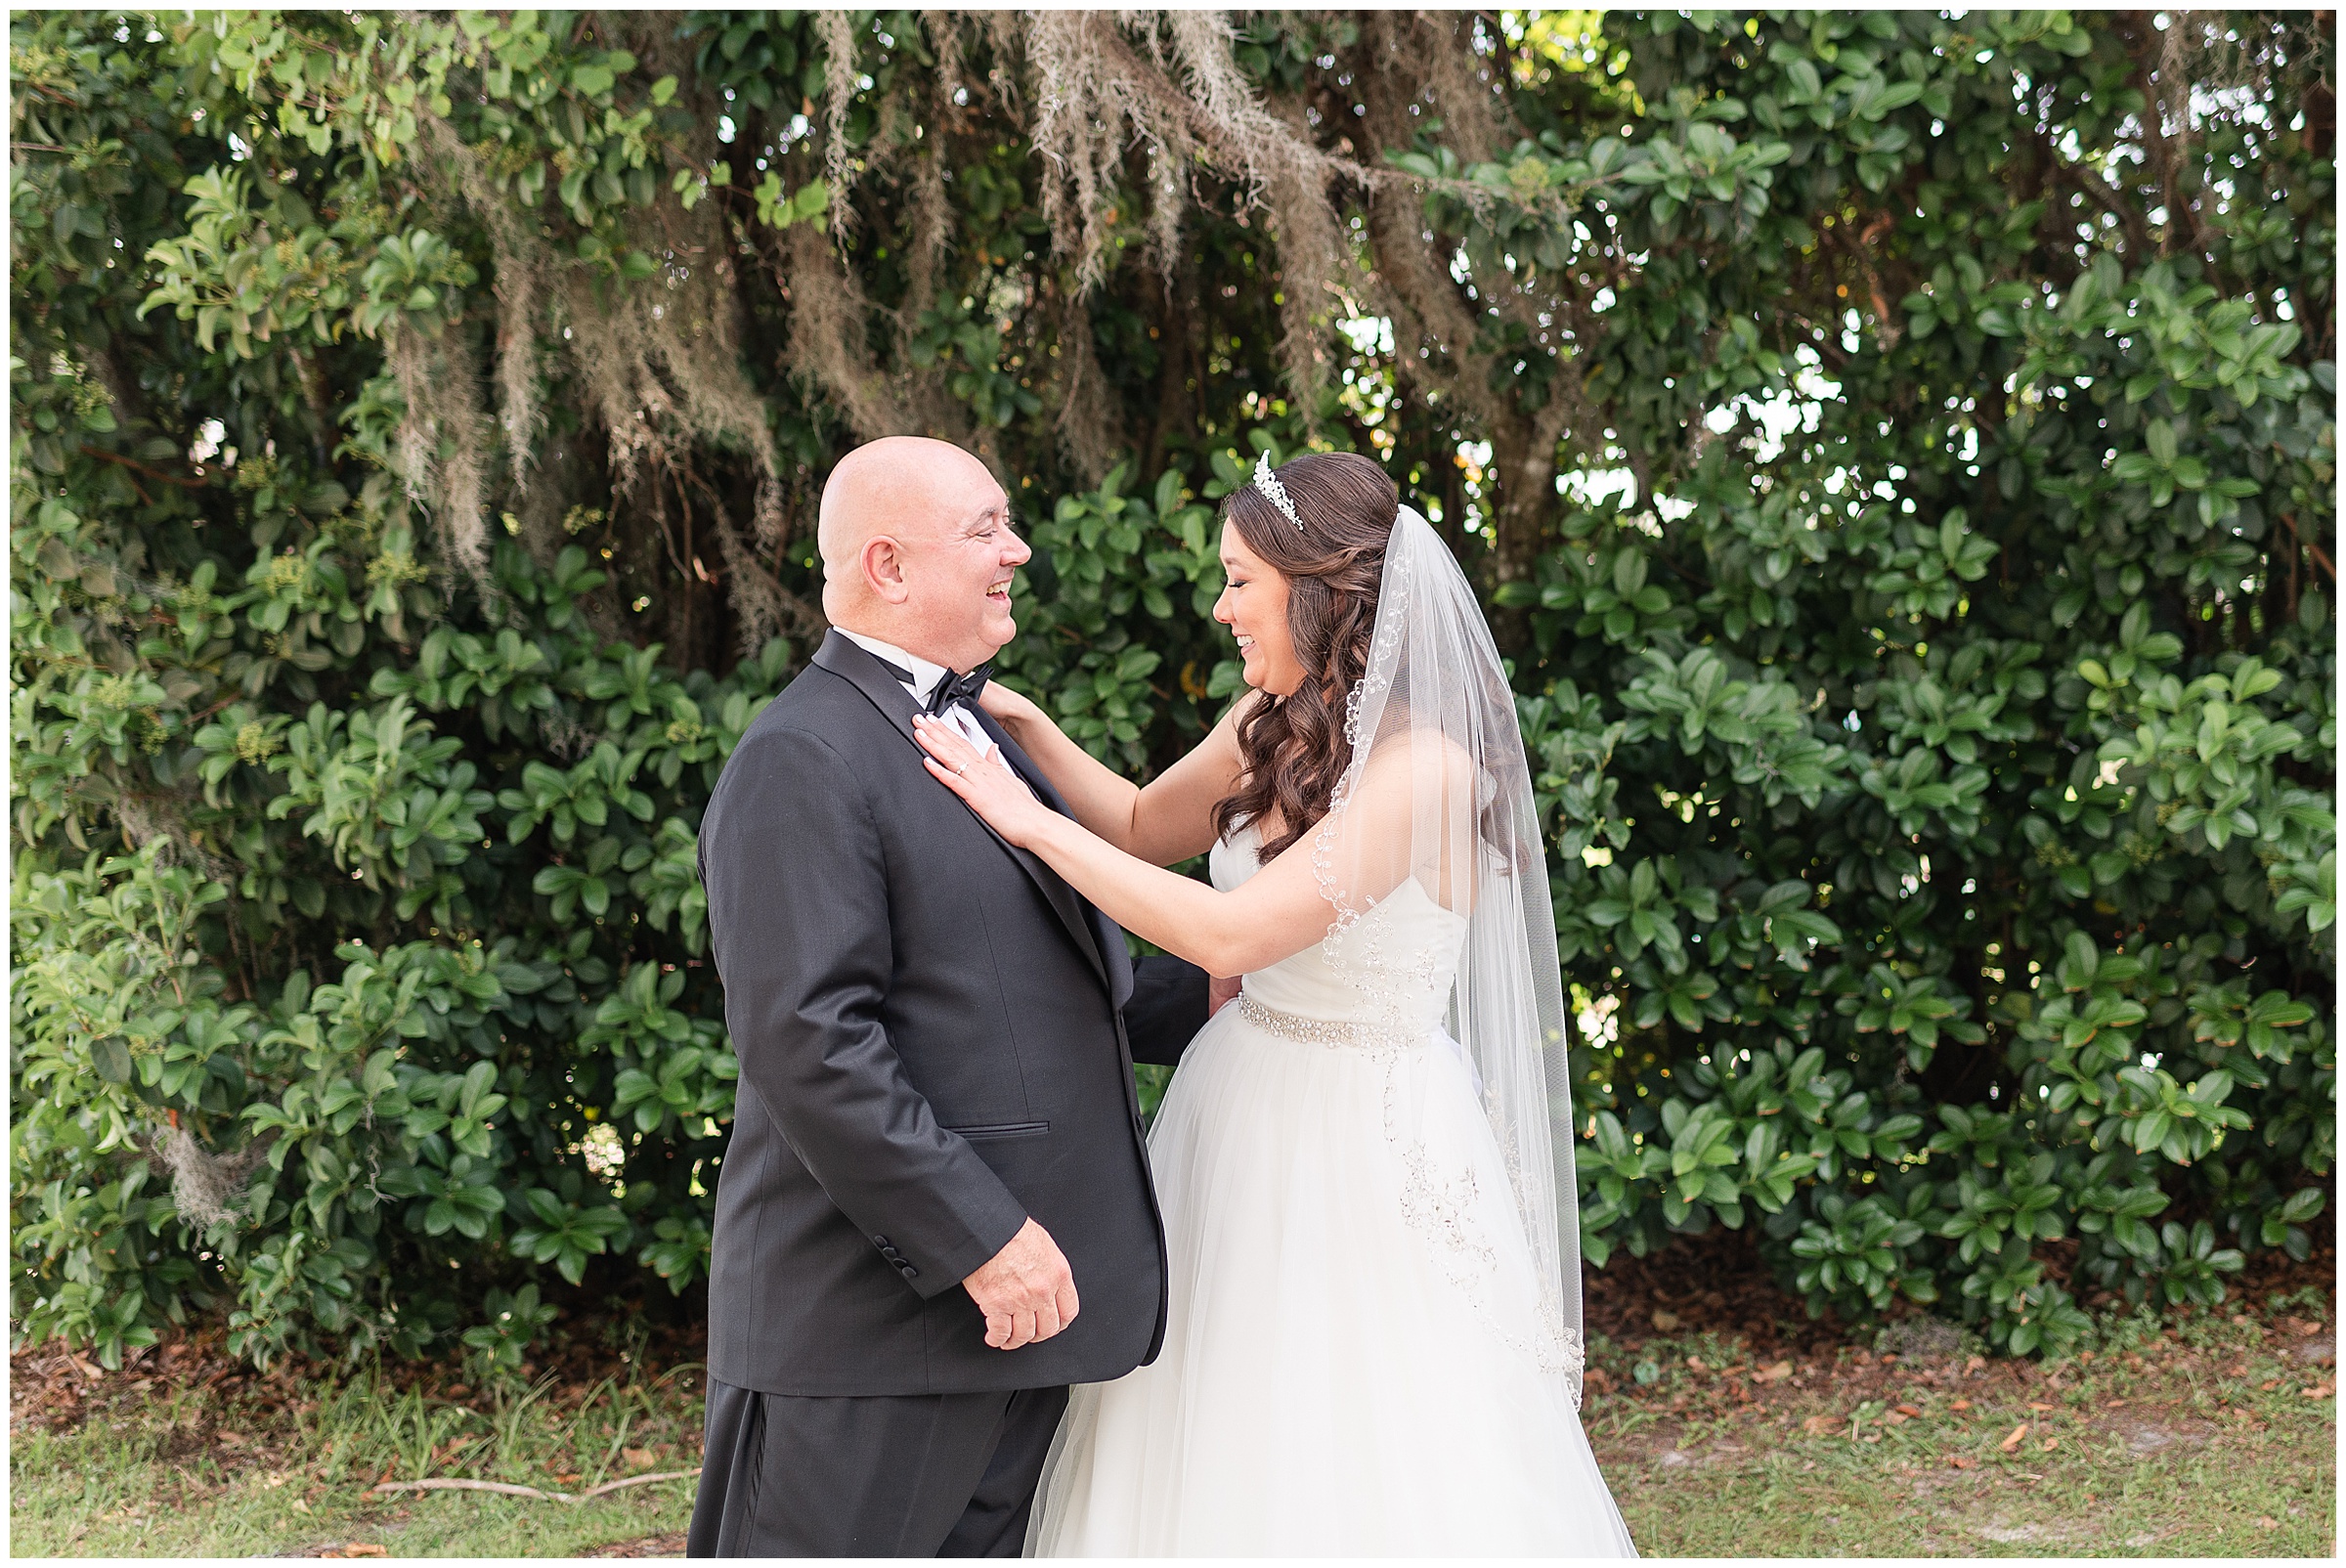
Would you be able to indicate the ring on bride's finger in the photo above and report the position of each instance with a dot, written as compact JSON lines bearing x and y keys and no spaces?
{"x":963,"y":772}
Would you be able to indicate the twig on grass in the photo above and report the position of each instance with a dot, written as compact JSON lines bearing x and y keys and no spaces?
{"x":446,"y":1484}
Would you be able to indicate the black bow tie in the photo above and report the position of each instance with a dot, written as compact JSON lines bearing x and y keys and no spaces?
{"x":950,"y":687}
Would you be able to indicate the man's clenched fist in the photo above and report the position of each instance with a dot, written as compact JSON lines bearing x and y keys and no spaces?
{"x":1025,"y":1290}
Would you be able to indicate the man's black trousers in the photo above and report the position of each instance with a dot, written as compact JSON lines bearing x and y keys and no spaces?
{"x":914,"y":1475}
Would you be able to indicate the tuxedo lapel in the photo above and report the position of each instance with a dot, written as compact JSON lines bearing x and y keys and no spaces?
{"x":1107,"y":937}
{"x":867,"y":675}
{"x":856,"y":666}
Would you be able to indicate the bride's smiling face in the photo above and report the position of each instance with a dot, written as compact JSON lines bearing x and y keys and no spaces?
{"x":1254,"y":606}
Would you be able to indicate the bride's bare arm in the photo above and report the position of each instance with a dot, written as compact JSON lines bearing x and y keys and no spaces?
{"x":1273,"y":914}
{"x":1170,"y":821}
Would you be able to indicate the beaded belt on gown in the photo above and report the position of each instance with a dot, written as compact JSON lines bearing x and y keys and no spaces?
{"x":1322,"y":1031}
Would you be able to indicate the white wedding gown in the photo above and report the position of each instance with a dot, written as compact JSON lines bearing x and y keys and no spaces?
{"x":1348,"y":1366}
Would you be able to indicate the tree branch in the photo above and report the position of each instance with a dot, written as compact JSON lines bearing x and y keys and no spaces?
{"x":103,"y":456}
{"x":507,"y":1489}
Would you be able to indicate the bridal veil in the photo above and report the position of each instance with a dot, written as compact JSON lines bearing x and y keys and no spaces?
{"x":1439,"y":789}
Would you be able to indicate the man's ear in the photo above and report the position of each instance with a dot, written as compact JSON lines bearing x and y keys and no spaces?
{"x":883,"y":563}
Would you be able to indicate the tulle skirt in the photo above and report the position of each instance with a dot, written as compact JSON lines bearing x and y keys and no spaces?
{"x":1328,"y":1385}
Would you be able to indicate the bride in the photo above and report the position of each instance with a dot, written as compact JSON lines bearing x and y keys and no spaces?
{"x":1365,"y":1163}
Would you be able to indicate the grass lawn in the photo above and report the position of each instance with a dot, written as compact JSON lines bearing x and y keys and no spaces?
{"x":2200,"y":1434}
{"x":2216,"y":1437}
{"x":166,"y":1468}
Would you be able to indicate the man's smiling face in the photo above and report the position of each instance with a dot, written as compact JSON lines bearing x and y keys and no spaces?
{"x":958,"y":571}
{"x":919,"y":551}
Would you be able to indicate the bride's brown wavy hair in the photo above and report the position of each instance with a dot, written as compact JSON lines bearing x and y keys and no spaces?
{"x":1293,"y":748}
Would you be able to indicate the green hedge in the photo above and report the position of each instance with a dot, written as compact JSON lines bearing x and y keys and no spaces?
{"x":1899,"y":452}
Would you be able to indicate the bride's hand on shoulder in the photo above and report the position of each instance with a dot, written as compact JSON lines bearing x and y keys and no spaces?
{"x":993,"y":790}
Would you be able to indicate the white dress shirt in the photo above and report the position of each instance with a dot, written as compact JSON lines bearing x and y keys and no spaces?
{"x":923,"y":681}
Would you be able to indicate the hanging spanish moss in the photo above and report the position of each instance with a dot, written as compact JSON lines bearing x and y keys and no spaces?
{"x":1140,"y":124}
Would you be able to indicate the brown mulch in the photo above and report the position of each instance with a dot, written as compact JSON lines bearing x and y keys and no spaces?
{"x":1709,"y":1283}
{"x":2274,"y":1273}
{"x":53,"y":1388}
{"x":671,"y":1544}
{"x":1714,"y":1282}
{"x":1717,"y":1283}
{"x":1788,"y":1363}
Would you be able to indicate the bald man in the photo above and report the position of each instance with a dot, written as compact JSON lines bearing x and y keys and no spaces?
{"x":934,"y":1211}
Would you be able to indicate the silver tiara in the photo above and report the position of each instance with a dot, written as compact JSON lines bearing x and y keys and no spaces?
{"x":1268,"y":483}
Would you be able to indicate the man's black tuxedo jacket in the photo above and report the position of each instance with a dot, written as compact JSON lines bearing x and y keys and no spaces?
{"x":931,"y":1033}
